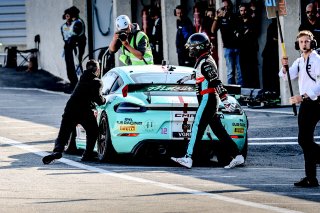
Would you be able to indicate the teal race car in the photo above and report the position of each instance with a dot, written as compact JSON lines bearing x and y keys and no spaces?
{"x":148,"y":114}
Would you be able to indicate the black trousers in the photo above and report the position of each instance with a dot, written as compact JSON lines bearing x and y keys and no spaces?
{"x":207,"y":115}
{"x":81,"y":48}
{"x":69,"y":123}
{"x":309,"y":115}
{"x":71,"y":71}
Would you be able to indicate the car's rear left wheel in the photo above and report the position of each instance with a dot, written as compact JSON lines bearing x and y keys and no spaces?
{"x":105,"y":149}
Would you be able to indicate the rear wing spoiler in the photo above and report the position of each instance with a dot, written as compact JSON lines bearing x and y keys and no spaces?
{"x":147,"y":87}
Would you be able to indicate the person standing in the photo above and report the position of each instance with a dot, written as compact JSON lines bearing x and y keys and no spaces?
{"x":312,"y":23}
{"x":249,"y":47}
{"x":78,"y":35}
{"x":156,"y":35}
{"x":69,"y":46}
{"x":209,"y":89}
{"x":134,"y":43}
{"x":184,"y":31}
{"x":227,"y":22}
{"x":79,"y":110}
{"x":307,"y":69}
{"x":270,"y":63}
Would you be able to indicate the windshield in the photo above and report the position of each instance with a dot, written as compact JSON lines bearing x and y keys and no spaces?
{"x":160,"y":78}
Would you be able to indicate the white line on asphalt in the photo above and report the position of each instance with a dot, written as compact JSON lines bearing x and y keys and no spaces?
{"x":277,"y":138}
{"x":35,"y":89}
{"x":145,"y":181}
{"x":277,"y":141}
{"x":268,"y":111}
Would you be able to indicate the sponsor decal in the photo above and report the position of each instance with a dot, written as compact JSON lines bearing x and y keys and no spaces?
{"x":149,"y":125}
{"x":127,"y":128}
{"x":239,"y":124}
{"x":129,"y":121}
{"x":238,"y":130}
{"x":181,"y":134}
{"x":174,"y":88}
{"x":184,"y":115}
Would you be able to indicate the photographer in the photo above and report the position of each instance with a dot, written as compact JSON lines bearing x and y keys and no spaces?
{"x":134,"y":43}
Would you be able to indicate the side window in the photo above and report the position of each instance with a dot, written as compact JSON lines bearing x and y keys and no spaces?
{"x":118,"y":83}
{"x":108,"y":80}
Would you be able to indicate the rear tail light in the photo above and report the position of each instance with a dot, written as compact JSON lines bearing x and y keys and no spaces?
{"x":236,"y":136}
{"x":129,"y":107}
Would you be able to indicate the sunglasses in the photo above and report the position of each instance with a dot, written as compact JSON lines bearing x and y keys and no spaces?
{"x":308,"y":12}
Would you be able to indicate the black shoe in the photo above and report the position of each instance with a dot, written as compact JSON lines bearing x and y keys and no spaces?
{"x":50,"y":158}
{"x":307,"y":182}
{"x":89,"y":157}
{"x":71,"y":151}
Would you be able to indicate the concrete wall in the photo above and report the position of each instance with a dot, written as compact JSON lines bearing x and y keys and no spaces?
{"x":44,"y":17}
{"x":102,"y":15}
{"x":290,"y":25}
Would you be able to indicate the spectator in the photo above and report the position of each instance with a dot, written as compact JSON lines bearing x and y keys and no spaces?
{"x":270,"y":54}
{"x":134,"y":43}
{"x":312,"y":23}
{"x":184,"y":31}
{"x":79,"y":110}
{"x":205,"y":27}
{"x":226,"y":21}
{"x":249,"y":47}
{"x":79,"y":35}
{"x":156,"y":35}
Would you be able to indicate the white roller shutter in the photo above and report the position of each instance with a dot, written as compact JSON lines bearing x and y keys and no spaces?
{"x":12,"y":22}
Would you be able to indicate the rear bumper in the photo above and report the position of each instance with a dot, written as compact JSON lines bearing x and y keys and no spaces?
{"x":144,"y":148}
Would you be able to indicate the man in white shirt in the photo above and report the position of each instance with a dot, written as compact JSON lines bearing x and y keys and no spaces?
{"x":307,"y":70}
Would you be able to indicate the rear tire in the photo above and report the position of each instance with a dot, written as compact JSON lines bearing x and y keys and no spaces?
{"x":105,"y":149}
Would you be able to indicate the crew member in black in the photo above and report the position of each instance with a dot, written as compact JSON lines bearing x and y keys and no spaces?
{"x":209,"y":88}
{"x":79,"y":110}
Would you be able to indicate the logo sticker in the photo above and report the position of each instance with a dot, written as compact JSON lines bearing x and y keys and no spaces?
{"x":127,"y":128}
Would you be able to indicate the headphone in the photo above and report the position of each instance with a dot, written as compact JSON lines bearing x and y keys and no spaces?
{"x":313,"y":42}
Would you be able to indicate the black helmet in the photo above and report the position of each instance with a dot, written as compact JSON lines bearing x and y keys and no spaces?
{"x":197,"y":44}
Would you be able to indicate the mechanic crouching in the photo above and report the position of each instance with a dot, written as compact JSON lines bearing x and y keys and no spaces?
{"x":208,"y":88}
{"x":79,"y":110}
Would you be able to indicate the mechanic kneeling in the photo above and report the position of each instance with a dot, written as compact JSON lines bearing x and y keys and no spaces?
{"x":79,"y":110}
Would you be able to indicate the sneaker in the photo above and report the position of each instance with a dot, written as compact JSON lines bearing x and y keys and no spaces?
{"x":307,"y":182}
{"x":184,"y":161}
{"x":51,"y":158}
{"x":238,"y":160}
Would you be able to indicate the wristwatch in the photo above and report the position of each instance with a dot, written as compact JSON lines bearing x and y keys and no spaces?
{"x":303,"y":97}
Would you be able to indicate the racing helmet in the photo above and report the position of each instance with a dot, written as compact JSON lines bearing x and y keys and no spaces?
{"x":122,"y":22}
{"x":197,"y":44}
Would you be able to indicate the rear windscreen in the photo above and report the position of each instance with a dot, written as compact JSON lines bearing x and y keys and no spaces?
{"x":158,"y":78}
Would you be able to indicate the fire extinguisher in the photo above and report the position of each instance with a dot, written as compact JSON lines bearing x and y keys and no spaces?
{"x":145,"y":20}
{"x":196,"y":19}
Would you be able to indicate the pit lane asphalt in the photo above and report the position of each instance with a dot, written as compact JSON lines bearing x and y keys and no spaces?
{"x":265,"y":181}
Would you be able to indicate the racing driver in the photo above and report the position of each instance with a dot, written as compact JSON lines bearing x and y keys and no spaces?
{"x":208,"y":88}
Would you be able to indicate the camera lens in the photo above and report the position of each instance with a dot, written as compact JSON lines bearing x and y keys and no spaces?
{"x":123,"y":36}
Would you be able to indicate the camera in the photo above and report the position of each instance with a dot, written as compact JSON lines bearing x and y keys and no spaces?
{"x":122,"y":35}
